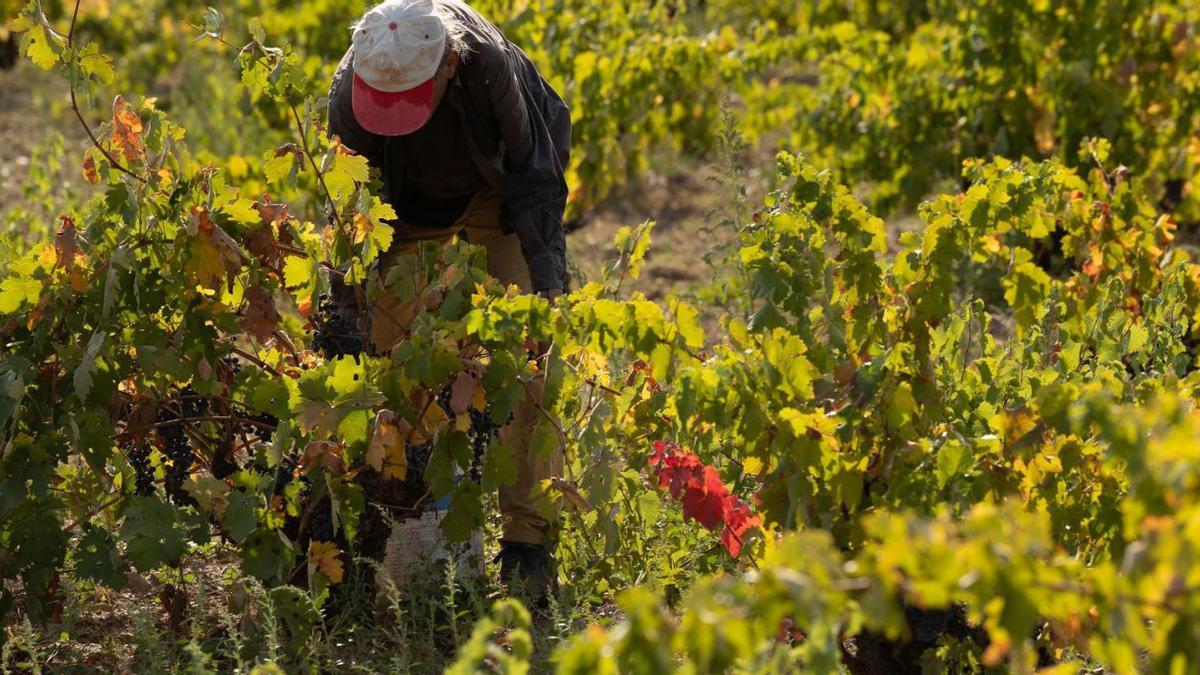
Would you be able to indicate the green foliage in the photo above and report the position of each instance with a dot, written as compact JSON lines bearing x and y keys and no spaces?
{"x":994,"y":411}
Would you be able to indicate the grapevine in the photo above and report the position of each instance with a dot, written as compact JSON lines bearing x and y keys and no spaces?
{"x":962,"y":441}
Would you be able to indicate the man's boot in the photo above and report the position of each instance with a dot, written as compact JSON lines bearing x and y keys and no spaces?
{"x":527,"y":569}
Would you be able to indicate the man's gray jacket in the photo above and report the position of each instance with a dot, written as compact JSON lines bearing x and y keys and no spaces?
{"x":519,"y":138}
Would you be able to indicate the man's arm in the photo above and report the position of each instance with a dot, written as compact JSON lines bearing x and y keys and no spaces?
{"x":536,"y":191}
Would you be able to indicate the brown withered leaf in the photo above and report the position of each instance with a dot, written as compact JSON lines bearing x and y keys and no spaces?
{"x":260,"y":317}
{"x":433,"y":297}
{"x":271,"y":212}
{"x":570,"y":494}
{"x":127,"y":130}
{"x":323,"y":454}
{"x":90,"y":173}
{"x":66,"y":244}
{"x":175,"y":602}
{"x":462,"y":392}
{"x":260,"y":243}
{"x":210,"y":253}
{"x":387,"y":452}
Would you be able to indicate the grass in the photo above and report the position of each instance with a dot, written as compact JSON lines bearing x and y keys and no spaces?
{"x":233,"y":624}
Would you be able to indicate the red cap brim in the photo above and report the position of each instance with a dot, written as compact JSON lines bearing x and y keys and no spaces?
{"x":389,"y":113}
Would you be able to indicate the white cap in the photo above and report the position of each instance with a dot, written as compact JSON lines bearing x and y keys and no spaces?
{"x":398,"y":45}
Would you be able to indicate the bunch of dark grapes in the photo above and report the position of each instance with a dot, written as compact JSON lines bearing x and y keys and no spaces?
{"x":192,"y":404}
{"x":483,"y":430}
{"x":320,"y":522}
{"x":233,"y":364}
{"x":283,"y":477}
{"x":138,"y":455}
{"x":178,"y":449}
{"x":263,"y":433}
{"x":336,"y":335}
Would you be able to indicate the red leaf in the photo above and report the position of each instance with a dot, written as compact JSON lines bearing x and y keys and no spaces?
{"x":660,"y":450}
{"x":703,"y":496}
{"x":739,"y":520}
{"x":706,"y":508}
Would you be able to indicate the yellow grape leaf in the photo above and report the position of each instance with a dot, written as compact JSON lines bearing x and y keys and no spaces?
{"x":210,"y":253}
{"x":97,"y":65}
{"x":387,"y":450}
{"x":432,"y":421}
{"x":323,"y":558}
{"x":242,"y":210}
{"x":16,"y":292}
{"x":344,"y":174}
{"x":39,"y":49}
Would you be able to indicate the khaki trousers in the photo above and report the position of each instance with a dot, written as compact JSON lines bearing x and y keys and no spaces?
{"x":480,"y":225}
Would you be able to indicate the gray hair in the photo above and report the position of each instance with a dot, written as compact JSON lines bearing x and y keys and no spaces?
{"x":456,"y":30}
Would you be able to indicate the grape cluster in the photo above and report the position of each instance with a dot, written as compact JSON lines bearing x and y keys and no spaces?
{"x":335,"y":335}
{"x":233,"y":364}
{"x":138,"y":455}
{"x":320,"y":522}
{"x":483,"y":427}
{"x":261,"y":425}
{"x":483,"y":430}
{"x":178,"y":449}
{"x":192,"y":404}
{"x":262,"y":432}
{"x":283,"y":476}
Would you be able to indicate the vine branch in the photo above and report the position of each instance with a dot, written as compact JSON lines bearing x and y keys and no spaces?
{"x":79,"y":114}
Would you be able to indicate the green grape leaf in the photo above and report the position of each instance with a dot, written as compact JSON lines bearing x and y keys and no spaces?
{"x":545,"y":439}
{"x":18,"y":292}
{"x":499,"y":466}
{"x":953,"y":458}
{"x":86,"y":369}
{"x":97,"y":558}
{"x":466,"y":511}
{"x":152,"y":534}
{"x":265,"y":555}
{"x":240,"y":520}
